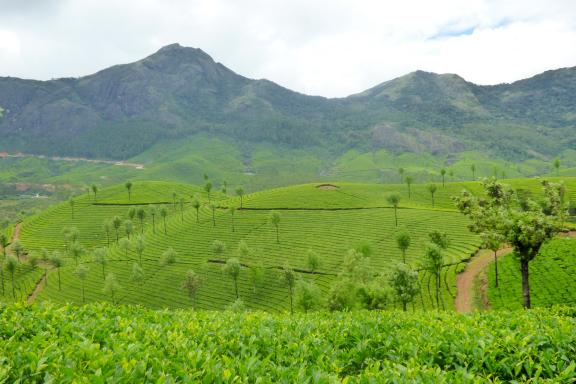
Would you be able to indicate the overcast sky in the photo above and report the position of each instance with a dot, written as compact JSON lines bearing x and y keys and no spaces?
{"x":320,"y":47}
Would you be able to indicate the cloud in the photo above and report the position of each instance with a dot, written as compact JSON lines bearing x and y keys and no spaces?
{"x":325,"y":47}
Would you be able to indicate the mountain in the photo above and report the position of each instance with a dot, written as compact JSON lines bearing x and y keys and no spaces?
{"x":178,"y":92}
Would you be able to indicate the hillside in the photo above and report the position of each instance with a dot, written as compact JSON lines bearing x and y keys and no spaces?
{"x":125,"y":344}
{"x":172,"y":100}
{"x":328,"y":220}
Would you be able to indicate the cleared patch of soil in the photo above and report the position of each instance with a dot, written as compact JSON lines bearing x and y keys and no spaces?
{"x":37,"y":289}
{"x":328,"y":187}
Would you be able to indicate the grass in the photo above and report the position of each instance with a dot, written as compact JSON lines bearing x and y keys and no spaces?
{"x":551,"y":277}
{"x":104,"y":343}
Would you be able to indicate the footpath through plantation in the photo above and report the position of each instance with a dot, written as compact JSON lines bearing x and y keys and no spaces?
{"x":100,"y":343}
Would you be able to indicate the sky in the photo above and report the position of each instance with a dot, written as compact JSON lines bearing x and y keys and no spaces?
{"x":330,"y":48}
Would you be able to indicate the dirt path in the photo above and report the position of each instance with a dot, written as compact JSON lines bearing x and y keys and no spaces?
{"x":16,"y":233}
{"x":465,"y":280}
{"x":39,"y":286}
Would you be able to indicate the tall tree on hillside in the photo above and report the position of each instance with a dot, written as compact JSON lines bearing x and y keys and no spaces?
{"x":312,"y":261}
{"x":111,"y":287}
{"x":473,"y":169}
{"x":18,"y":249}
{"x":168,"y":257}
{"x":107,"y":226}
{"x":240,"y":193}
{"x":196,"y":205}
{"x":443,"y":174}
{"x":182,"y":202}
{"x":224,"y":188}
{"x":257,"y":275}
{"x":164,"y":214}
{"x":100,"y":256}
{"x":45,"y":257}
{"x":433,"y":263}
{"x":131,"y":213}
{"x":117,"y":223}
{"x":76,"y":251}
{"x":213,"y":207}
{"x":405,"y":284}
{"x":174,"y":196}
{"x":440,"y":239}
{"x":57,"y":262}
{"x":409,"y":180}
{"x":125,"y":245}
{"x":232,"y":269}
{"x":81,"y":272}
{"x":526,"y":227}
{"x":137,"y":274}
{"x":153,"y":213}
{"x":11,"y":265}
{"x":71,"y":235}
{"x":71,"y":202}
{"x":232,"y":211}
{"x":394,"y":201}
{"x":307,"y":296}
{"x":403,"y":242}
{"x":432,"y":188}
{"x":401,"y":173}
{"x":275,"y":221}
{"x":33,"y":260}
{"x":141,"y":214}
{"x":4,"y":244}
{"x":218,"y":248}
{"x":208,"y":189}
{"x":191,"y":285}
{"x":128,"y":228}
{"x":557,"y":166}
{"x":493,"y":241}
{"x":139,"y":247}
{"x":128,"y":187}
{"x":94,"y":190}
{"x":289,"y":278}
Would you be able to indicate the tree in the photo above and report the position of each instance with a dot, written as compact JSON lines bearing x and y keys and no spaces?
{"x":45,"y":257}
{"x":196,"y":206}
{"x":232,"y":269}
{"x":307,"y":296}
{"x":275,"y":221}
{"x":232,"y":211}
{"x":131,"y":213}
{"x":443,"y":174}
{"x":125,"y":245}
{"x":208,"y":189}
{"x":409,"y":180}
{"x":11,"y":264}
{"x":153,"y":213}
{"x":394,"y":201}
{"x":401,"y":173}
{"x":57,"y":261}
{"x":213,"y":207}
{"x":218,"y":248}
{"x":33,"y":261}
{"x":403,"y":242}
{"x":432,"y":188}
{"x":164,"y":214}
{"x":94,"y":190}
{"x":128,"y":228}
{"x":191,"y":285}
{"x":182,"y":202}
{"x":433,"y":263}
{"x":76,"y":251}
{"x":4,"y":244}
{"x":526,"y":227}
{"x":71,"y":236}
{"x":257,"y":275}
{"x":451,"y":174}
{"x":440,"y":239}
{"x":81,"y":272}
{"x":473,"y":169}
{"x":405,"y":284}
{"x":128,"y":187}
{"x":224,"y":188}
{"x":107,"y":226}
{"x":71,"y":202}
{"x":557,"y":166}
{"x":137,"y":274}
{"x":100,"y":256}
{"x":18,"y":249}
{"x":174,"y":196}
{"x":289,"y":278}
{"x":313,"y":261}
{"x":493,"y":241}
{"x":116,"y":223}
{"x":240,"y":193}
{"x":243,"y":249}
{"x":168,"y":257}
{"x":141,"y":214}
{"x":111,"y":286}
{"x":139,"y":247}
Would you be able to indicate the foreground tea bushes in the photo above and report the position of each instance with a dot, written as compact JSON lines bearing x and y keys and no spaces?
{"x":102,"y":343}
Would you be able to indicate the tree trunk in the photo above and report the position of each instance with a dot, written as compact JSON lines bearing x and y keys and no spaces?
{"x":241,"y":202}
{"x":404,"y":305}
{"x":404,"y":256}
{"x":525,"y":282}
{"x":277,"y":236}
{"x":165,"y":230}
{"x":438,"y":291}
{"x":213,"y":218}
{"x":236,"y":287}
{"x":496,"y":267}
{"x":153,"y":224}
{"x":396,"y":215}
{"x":59,"y":281}
{"x":197,"y":216}
{"x":291,"y":304}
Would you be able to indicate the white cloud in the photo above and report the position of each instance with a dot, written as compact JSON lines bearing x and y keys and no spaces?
{"x":326,"y":47}
{"x":9,"y":45}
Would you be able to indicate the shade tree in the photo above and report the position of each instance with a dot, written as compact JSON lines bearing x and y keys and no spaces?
{"x":191,"y":285}
{"x":404,"y":282}
{"x":232,"y":269}
{"x":394,"y":201}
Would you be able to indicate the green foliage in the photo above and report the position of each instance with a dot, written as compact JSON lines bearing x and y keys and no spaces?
{"x":405,"y":284}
